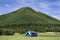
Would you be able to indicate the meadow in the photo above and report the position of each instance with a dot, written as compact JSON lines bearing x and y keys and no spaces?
{"x":41,"y":36}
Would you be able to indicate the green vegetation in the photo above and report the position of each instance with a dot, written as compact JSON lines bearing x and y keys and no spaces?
{"x":17,"y":36}
{"x":26,"y":19}
{"x":7,"y":32}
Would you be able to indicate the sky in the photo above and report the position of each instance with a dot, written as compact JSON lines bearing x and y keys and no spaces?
{"x":49,"y":7}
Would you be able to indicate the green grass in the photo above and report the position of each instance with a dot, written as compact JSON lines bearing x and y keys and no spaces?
{"x":17,"y":36}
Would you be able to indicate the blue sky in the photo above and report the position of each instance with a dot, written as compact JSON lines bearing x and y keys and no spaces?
{"x":50,"y":7}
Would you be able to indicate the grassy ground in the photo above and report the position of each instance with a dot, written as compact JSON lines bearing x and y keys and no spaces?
{"x":42,"y":36}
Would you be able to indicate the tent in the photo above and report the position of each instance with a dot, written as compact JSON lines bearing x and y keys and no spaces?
{"x":31,"y":34}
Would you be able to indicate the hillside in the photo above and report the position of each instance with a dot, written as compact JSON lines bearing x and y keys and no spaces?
{"x":28,"y":19}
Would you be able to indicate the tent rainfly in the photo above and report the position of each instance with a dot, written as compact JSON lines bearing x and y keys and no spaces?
{"x":31,"y":34}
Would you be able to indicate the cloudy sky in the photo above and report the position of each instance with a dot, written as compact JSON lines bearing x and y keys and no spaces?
{"x":50,"y":7}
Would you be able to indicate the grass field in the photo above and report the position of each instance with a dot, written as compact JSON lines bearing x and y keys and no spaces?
{"x":41,"y":36}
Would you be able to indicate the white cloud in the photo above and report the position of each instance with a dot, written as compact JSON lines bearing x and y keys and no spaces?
{"x":7,"y":5}
{"x":26,"y":2}
{"x":46,"y":9}
{"x":1,"y":10}
{"x":23,"y":2}
{"x":57,"y":17}
{"x":43,"y":5}
{"x":57,"y":3}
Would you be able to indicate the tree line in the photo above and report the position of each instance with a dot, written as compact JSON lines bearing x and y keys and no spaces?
{"x":22,"y":28}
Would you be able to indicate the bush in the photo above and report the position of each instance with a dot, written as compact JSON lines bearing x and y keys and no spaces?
{"x":8,"y":32}
{"x":1,"y":32}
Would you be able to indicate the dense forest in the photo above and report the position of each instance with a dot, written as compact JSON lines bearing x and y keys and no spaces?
{"x":25,"y":19}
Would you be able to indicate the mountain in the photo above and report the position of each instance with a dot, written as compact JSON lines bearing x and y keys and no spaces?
{"x":26,"y":18}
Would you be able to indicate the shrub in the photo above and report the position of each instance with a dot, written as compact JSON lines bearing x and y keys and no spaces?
{"x":7,"y":32}
{"x":1,"y":32}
